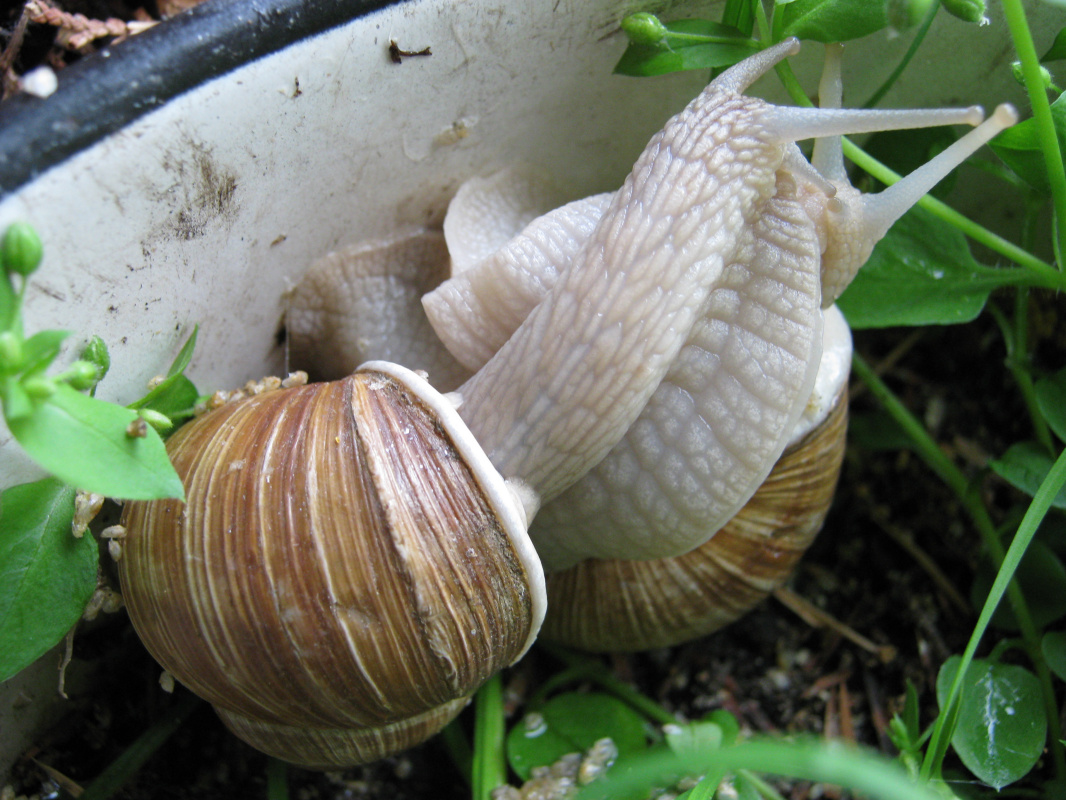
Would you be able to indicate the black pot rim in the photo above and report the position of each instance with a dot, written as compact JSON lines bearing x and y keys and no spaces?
{"x":106,"y":91}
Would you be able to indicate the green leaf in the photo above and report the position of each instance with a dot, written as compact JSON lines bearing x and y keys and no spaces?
{"x":695,"y":739}
{"x":921,"y":273}
{"x":46,"y":575}
{"x":83,"y":442}
{"x":728,"y":724}
{"x":1024,"y":466}
{"x":1001,"y":726}
{"x":1042,"y":579}
{"x":569,"y":723}
{"x":1051,"y":398}
{"x":687,"y":44}
{"x":174,"y":396}
{"x":1019,"y":147}
{"x":1057,"y":51}
{"x":1053,"y":645}
{"x":832,"y":20}
{"x":184,"y":356}
{"x":41,"y":349}
{"x":740,"y":14}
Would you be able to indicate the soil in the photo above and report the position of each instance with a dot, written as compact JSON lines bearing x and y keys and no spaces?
{"x":774,"y":671}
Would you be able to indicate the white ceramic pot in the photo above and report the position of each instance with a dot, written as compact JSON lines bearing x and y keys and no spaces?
{"x":191,"y":174}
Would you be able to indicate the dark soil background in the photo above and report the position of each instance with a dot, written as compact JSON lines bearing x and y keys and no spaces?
{"x":773,"y":670}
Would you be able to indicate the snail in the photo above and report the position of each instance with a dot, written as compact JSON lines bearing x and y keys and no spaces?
{"x":323,"y":583}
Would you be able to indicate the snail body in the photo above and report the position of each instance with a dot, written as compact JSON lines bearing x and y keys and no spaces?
{"x":704,"y":279}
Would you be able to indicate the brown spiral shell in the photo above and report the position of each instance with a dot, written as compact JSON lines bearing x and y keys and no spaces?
{"x":338,"y":581}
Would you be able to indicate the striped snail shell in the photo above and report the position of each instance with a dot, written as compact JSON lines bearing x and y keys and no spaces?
{"x":346,"y":570}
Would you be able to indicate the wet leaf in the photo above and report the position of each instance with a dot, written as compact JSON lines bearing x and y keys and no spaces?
{"x":921,"y":273}
{"x":1001,"y":725}
{"x":570,"y":723}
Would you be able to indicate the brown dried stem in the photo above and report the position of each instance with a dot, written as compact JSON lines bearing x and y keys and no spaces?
{"x":77,"y":30}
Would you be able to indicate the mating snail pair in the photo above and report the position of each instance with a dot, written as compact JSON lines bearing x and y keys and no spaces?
{"x":353,"y":561}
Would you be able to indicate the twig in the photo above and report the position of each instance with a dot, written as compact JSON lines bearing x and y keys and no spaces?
{"x":817,"y":618}
{"x":77,"y":30}
{"x":905,"y":539}
{"x":67,"y":784}
{"x":11,"y":51}
{"x":890,"y":360}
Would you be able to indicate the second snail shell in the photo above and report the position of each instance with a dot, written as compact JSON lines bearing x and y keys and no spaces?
{"x":615,"y":605}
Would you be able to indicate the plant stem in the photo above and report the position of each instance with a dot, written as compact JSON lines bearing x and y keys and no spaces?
{"x":1014,"y":339}
{"x":489,"y":768}
{"x":1042,"y":273}
{"x":916,"y":42}
{"x":1045,"y":125}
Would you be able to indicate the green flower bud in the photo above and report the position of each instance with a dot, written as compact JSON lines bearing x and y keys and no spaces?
{"x":96,"y":353}
{"x":1045,"y":75}
{"x":161,"y":422}
{"x":10,"y":351}
{"x":39,"y":387}
{"x":643,"y":28}
{"x":21,"y":249}
{"x":82,"y":375}
{"x":967,"y":10}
